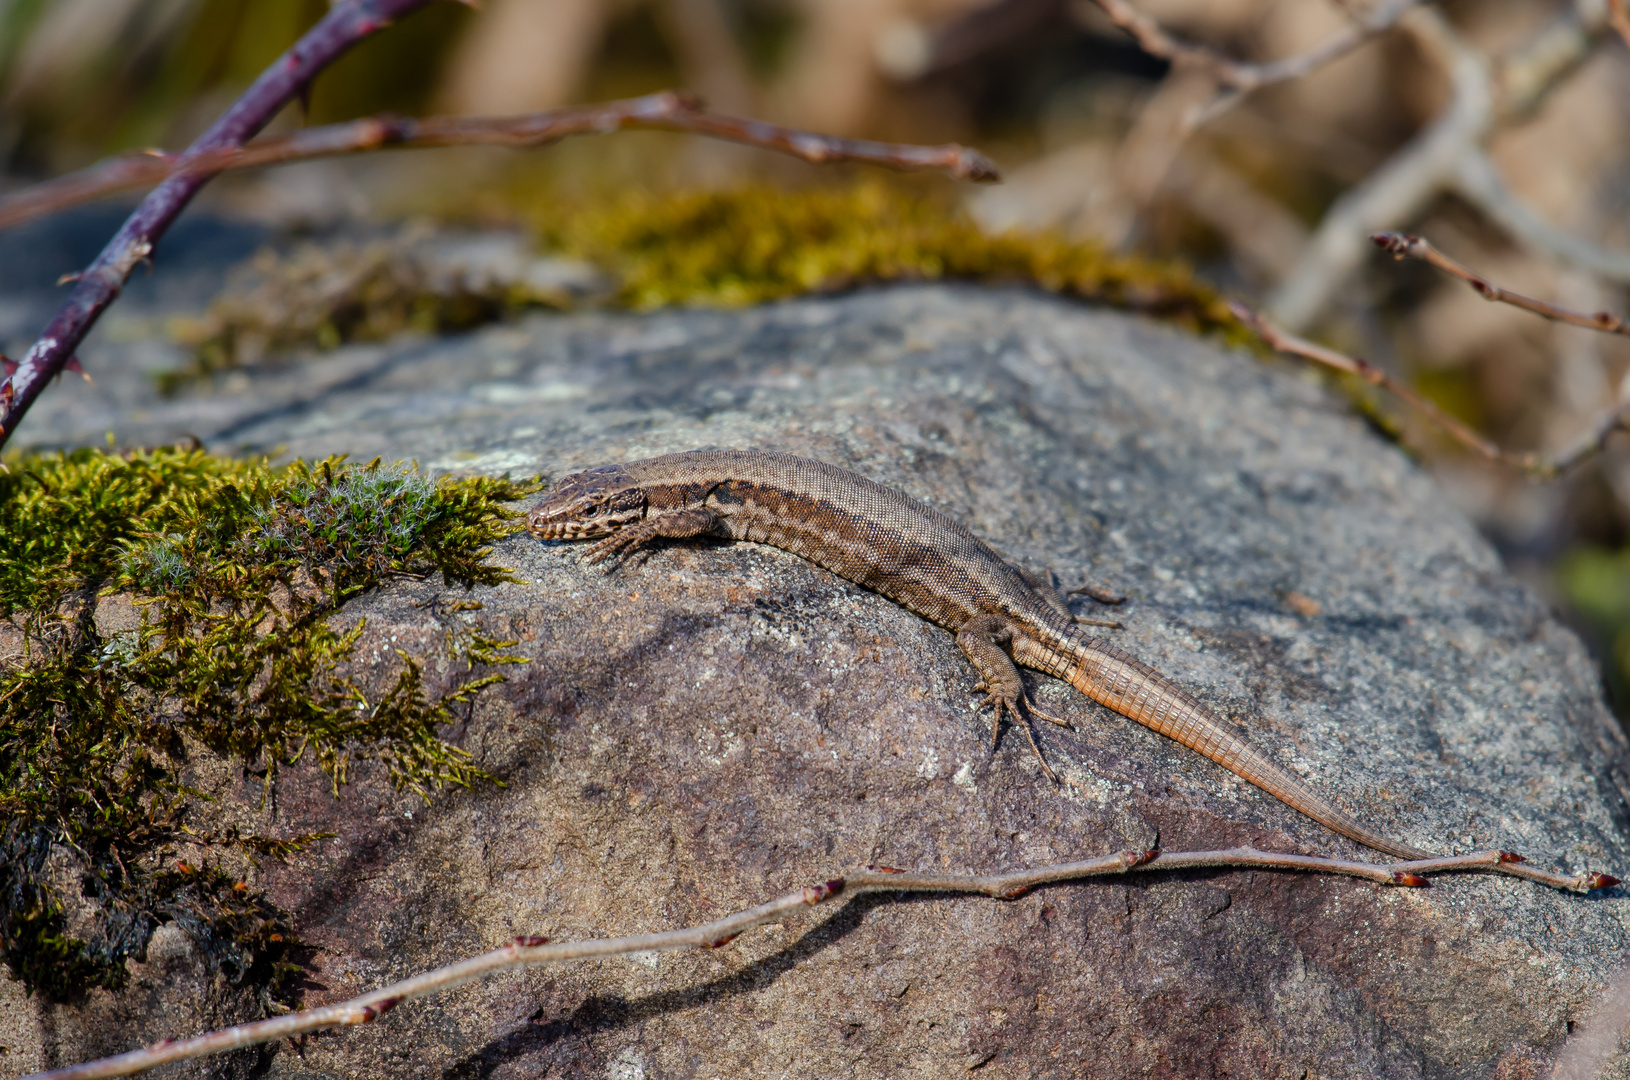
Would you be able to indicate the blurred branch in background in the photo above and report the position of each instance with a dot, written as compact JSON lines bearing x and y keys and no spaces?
{"x":1618,"y":13}
{"x":1234,"y":79}
{"x":665,"y":111}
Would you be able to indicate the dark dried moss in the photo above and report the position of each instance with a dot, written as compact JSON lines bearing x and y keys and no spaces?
{"x":322,"y":296}
{"x":237,"y":569}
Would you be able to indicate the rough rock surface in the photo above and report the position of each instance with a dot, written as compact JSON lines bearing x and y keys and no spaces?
{"x":725,"y":723}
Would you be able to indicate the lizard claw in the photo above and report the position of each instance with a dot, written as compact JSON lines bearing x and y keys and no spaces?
{"x":1028,"y":704}
{"x":996,"y":705}
{"x":614,"y":546}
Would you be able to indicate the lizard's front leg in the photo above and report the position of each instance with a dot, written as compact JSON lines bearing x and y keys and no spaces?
{"x":674,"y":525}
{"x":986,"y":641}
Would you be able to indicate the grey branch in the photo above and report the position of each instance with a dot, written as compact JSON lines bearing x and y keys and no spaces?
{"x":1477,"y":181}
{"x":1236,"y":78}
{"x":1447,"y":156}
{"x":530,"y":951}
{"x":1400,"y":189}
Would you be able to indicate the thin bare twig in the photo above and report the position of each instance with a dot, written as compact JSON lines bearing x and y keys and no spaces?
{"x":665,"y":111}
{"x":529,"y":951}
{"x":345,"y":24}
{"x":1538,"y":466}
{"x":222,"y":147}
{"x":1408,"y":246}
{"x":1286,"y":342}
{"x":1236,"y":78}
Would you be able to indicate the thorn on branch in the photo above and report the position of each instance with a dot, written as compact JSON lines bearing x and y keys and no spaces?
{"x":369,"y":1013}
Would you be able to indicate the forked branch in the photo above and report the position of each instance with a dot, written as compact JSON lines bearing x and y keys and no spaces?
{"x":530,"y":951}
{"x":1236,"y":78}
{"x":665,"y":111}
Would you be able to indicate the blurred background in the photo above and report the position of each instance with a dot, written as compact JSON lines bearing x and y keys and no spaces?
{"x":1496,"y":129}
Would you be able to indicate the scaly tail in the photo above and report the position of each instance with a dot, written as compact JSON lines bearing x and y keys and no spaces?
{"x":1134,"y":689}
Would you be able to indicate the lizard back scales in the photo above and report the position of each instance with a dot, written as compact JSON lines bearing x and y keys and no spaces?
{"x":927,"y":562}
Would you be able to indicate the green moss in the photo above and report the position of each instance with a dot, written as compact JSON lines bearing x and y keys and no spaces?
{"x":728,"y":248}
{"x":237,"y":569}
{"x":755,"y":244}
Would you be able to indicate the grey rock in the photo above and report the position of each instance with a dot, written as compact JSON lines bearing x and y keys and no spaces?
{"x":722,"y":724}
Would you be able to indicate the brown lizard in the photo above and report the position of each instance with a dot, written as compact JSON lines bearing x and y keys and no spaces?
{"x":927,"y":562}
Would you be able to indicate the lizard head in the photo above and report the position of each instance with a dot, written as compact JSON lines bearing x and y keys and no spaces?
{"x":586,"y":504}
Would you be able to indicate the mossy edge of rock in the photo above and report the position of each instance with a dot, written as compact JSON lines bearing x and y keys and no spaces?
{"x":730,"y":248}
{"x":234,"y":570}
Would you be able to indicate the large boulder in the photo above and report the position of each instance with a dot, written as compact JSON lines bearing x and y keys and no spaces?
{"x":719,"y":724}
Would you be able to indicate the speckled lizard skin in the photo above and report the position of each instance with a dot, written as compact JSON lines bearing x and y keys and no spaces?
{"x":925,"y":561}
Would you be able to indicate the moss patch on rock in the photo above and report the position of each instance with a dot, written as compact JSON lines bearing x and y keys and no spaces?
{"x":728,"y":248}
{"x":229,"y":574}
{"x":755,"y":244}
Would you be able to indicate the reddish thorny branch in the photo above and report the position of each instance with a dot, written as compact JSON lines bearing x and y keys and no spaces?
{"x":530,"y":951}
{"x":223,"y":147}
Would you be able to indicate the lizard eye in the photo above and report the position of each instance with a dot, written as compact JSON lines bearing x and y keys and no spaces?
{"x":591,"y":511}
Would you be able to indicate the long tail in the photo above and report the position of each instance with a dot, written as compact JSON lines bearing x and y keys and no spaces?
{"x":1134,"y":689}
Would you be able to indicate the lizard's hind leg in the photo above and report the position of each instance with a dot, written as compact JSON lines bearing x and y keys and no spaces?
{"x":984,"y":641}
